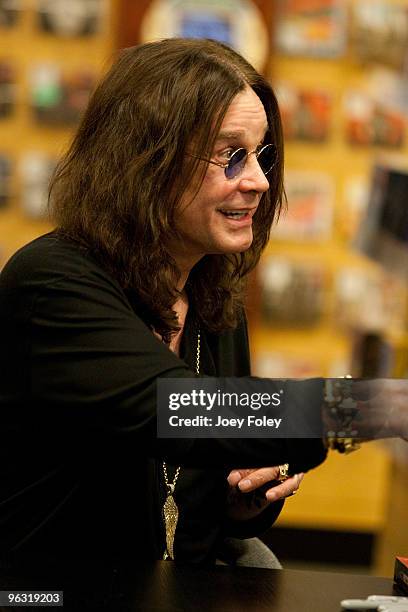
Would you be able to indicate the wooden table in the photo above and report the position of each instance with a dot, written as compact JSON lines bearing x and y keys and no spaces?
{"x":164,"y":586}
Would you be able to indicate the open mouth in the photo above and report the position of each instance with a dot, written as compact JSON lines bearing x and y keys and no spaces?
{"x":234,"y":214}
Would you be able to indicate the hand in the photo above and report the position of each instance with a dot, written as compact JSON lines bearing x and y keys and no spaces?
{"x":248,"y":480}
{"x":382,"y":408}
{"x":369,"y":410}
{"x":252,"y":490}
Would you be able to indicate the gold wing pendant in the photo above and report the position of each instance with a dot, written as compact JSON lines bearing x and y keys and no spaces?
{"x":171,"y":514}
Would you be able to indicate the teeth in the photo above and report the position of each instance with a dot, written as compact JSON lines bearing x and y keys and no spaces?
{"x":233,"y":214}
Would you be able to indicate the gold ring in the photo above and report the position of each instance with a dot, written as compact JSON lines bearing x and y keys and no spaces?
{"x":283,"y":472}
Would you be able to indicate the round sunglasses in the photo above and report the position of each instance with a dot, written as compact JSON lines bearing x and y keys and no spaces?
{"x":266,"y":156}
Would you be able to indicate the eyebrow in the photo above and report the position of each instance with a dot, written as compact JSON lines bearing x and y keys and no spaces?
{"x":226,"y":135}
{"x":235,"y":135}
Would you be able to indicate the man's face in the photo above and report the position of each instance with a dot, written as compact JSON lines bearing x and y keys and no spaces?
{"x":203,"y":220}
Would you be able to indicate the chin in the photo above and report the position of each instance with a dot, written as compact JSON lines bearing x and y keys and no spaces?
{"x":244,"y":245}
{"x":238,"y":248}
{"x":229,"y":246}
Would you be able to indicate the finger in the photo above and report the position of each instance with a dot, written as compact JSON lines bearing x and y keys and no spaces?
{"x":257,"y":478}
{"x":236,"y":475}
{"x":285,"y":489}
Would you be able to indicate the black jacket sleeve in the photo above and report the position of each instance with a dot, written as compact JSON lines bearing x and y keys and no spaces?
{"x":78,"y":361}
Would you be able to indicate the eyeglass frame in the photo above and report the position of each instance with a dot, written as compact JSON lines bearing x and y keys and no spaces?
{"x":248,"y":153}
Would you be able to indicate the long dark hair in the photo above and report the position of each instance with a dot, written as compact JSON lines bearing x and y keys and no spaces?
{"x":117,"y":188}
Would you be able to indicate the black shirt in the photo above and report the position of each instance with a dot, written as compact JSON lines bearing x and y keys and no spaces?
{"x":80,"y":462}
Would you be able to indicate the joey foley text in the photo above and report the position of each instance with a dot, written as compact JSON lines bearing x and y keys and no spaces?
{"x":221,"y":400}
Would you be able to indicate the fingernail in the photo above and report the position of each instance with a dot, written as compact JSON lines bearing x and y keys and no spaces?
{"x":233,"y":478}
{"x":244,"y":485}
{"x":271,"y":495}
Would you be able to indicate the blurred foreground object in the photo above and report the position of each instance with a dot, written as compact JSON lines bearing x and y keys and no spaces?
{"x":401,"y":573}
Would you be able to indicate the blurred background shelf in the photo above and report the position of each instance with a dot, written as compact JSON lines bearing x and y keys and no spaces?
{"x":317,"y":306}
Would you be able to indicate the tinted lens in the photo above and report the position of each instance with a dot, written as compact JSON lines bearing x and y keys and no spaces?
{"x":267,"y":157}
{"x":236,"y":163}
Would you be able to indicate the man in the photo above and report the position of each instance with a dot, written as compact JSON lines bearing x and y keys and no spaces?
{"x":163,"y":204}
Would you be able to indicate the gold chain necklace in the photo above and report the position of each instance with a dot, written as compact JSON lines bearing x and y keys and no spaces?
{"x":170,"y":510}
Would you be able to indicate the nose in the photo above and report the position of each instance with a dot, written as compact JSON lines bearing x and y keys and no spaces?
{"x":252,"y":177}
